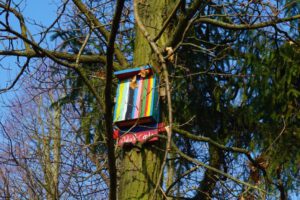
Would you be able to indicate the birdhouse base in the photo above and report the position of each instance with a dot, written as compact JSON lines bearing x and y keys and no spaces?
{"x":142,"y":134}
{"x":132,"y":122}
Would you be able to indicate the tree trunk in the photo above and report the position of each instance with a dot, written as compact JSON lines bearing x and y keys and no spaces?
{"x":139,"y":171}
{"x":56,"y":151}
{"x":51,"y":148}
{"x":139,"y":168}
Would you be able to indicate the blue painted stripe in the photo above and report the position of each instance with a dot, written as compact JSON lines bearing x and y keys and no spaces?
{"x":125,"y":99}
{"x":135,"y":100}
{"x":156,"y":106}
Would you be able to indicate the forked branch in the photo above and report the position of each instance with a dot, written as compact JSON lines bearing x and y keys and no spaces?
{"x":92,"y":19}
{"x":190,"y":159}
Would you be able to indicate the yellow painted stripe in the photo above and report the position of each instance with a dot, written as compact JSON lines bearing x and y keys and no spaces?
{"x":119,"y":100}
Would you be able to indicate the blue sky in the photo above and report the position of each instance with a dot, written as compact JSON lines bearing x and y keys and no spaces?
{"x":41,"y":11}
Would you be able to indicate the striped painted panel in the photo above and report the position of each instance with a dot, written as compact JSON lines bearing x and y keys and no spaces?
{"x":139,"y":103}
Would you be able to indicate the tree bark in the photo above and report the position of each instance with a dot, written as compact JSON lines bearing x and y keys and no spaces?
{"x":140,"y":167}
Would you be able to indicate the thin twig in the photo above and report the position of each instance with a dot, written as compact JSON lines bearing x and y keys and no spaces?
{"x":92,"y":19}
{"x":17,"y":77}
{"x":83,"y":46}
{"x":275,"y":140}
{"x":214,"y":169}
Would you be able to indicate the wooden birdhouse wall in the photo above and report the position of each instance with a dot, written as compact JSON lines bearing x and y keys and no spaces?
{"x":137,"y":97}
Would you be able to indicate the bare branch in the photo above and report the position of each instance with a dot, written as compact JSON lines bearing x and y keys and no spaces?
{"x":38,"y":49}
{"x":223,"y":147}
{"x":230,"y":26}
{"x":55,"y":21}
{"x":17,"y":77}
{"x":182,"y":176}
{"x":83,"y":46}
{"x":60,"y":55}
{"x":183,"y":23}
{"x":42,"y":51}
{"x":20,"y":17}
{"x":214,"y":169}
{"x":109,"y":103}
{"x":93,"y":20}
{"x":186,"y":134}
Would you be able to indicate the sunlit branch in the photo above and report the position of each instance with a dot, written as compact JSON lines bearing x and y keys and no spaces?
{"x":183,"y":155}
{"x":20,"y":17}
{"x":96,"y":23}
{"x":230,"y":26}
{"x":60,"y":55}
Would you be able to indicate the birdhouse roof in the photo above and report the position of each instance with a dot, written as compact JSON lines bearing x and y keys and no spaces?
{"x":123,"y":74}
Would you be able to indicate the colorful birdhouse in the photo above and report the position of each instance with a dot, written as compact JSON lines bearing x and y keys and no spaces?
{"x":137,"y":99}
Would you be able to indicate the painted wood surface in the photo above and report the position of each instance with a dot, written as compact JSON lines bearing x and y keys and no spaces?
{"x":127,"y":73}
{"x":139,"y":134}
{"x":139,"y":104}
